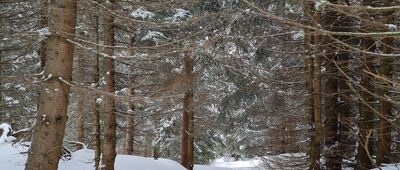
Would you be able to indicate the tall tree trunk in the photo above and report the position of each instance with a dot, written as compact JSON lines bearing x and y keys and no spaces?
{"x":347,"y":142}
{"x":367,"y":116}
{"x":130,"y":128}
{"x":43,"y":24}
{"x":53,"y":98}
{"x":347,"y":138}
{"x":331,"y":122}
{"x":330,"y":98}
{"x":385,"y":127}
{"x":96,"y":80}
{"x":365,"y":148}
{"x":187,"y":114}
{"x":191,"y":136}
{"x":109,"y":153}
{"x":80,"y":126}
{"x":317,"y":103}
{"x":313,"y":86}
{"x":128,"y":149}
{"x":1,"y":88}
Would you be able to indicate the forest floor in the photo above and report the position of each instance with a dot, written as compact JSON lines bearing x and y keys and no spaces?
{"x":13,"y":157}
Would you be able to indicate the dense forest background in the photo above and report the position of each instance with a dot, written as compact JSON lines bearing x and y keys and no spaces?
{"x":194,"y":80}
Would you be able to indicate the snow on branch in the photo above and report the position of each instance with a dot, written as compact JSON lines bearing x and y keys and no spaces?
{"x":360,"y":7}
{"x":180,"y":14}
{"x":321,"y":31}
{"x":154,"y":36}
{"x":43,"y":33}
{"x":142,"y":13}
{"x":320,"y":4}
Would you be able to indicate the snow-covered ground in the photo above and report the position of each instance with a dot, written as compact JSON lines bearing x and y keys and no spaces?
{"x":389,"y":167}
{"x":250,"y":164}
{"x":13,"y":157}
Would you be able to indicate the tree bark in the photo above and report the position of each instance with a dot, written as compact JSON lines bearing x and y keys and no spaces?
{"x":53,"y":98}
{"x":191,"y":136}
{"x":347,"y":137}
{"x":367,"y":116}
{"x":330,"y":98}
{"x":130,"y":121}
{"x":128,"y":149}
{"x":109,"y":153}
{"x":80,"y":127}
{"x":96,"y":80}
{"x":43,"y":24}
{"x":346,"y":114}
{"x":385,"y":128}
{"x":313,"y":86}
{"x":187,"y":114}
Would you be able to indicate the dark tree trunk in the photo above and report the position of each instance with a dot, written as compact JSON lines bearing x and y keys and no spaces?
{"x":80,"y":104}
{"x":331,"y":93}
{"x":187,"y":136}
{"x":385,"y":127}
{"x":367,"y":115}
{"x":313,"y":86}
{"x":96,"y":80}
{"x":53,"y":98}
{"x":109,"y":153}
{"x":130,"y":121}
{"x":345,"y":103}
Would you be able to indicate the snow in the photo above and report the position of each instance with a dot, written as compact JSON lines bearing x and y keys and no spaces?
{"x":180,"y":14}
{"x":10,"y":157}
{"x":153,"y":36}
{"x":14,"y":157}
{"x":125,"y":91}
{"x":319,"y":4}
{"x":389,"y":167}
{"x":99,"y":100}
{"x":142,"y":13}
{"x":250,"y":164}
{"x":6,"y":129}
{"x":205,"y":167}
{"x":391,"y":27}
{"x":43,"y":33}
{"x":298,"y":35}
